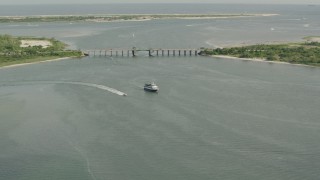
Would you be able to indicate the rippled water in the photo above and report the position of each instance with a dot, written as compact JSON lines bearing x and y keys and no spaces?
{"x":212,"y":119}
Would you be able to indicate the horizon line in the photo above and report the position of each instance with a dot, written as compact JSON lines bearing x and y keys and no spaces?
{"x":163,"y":3}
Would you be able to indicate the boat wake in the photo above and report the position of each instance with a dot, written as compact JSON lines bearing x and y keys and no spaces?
{"x":78,"y":150}
{"x":102,"y":87}
{"x":99,"y":86}
{"x":306,"y":25}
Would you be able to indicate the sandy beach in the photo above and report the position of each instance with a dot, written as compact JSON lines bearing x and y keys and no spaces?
{"x":101,"y":20}
{"x":43,"y":43}
{"x":257,"y":60}
{"x":227,"y":16}
{"x":232,"y":57}
{"x":24,"y":64}
{"x":315,"y":39}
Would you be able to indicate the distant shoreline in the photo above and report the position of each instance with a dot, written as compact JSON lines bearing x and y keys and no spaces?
{"x":121,"y":17}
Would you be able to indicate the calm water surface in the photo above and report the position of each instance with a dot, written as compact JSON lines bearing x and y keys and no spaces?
{"x":212,"y":119}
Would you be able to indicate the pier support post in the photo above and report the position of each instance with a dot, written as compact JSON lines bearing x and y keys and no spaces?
{"x":174,"y":52}
{"x":179,"y":52}
{"x":111,"y":52}
{"x":157,"y":52}
{"x":122,"y":53}
{"x":196,"y":53}
{"x":190,"y":52}
{"x":133,"y":51}
{"x":162,"y":52}
{"x":185,"y":52}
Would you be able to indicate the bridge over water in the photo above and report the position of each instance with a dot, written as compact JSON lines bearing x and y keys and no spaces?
{"x":135,"y":51}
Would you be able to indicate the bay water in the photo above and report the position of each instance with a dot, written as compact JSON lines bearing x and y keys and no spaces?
{"x":213,"y":118}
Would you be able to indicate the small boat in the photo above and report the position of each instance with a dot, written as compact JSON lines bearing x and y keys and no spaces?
{"x":152,"y":87}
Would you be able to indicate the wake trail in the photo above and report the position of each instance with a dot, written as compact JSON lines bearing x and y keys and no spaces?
{"x":77,"y":149}
{"x":99,"y":86}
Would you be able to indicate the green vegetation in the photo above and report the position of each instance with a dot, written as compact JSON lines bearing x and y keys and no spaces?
{"x":44,"y":19}
{"x":296,"y":53}
{"x":11,"y":51}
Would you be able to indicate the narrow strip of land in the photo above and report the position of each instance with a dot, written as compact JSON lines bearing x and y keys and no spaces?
{"x":120,"y":17}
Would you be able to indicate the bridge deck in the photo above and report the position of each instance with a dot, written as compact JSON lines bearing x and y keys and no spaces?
{"x":133,"y":52}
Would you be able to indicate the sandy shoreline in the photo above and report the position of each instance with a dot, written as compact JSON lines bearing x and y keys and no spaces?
{"x":257,"y":60}
{"x":44,"y":61}
{"x":313,"y":38}
{"x":120,"y":20}
{"x":139,"y":15}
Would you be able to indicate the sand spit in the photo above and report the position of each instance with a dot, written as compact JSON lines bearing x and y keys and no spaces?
{"x":23,"y":64}
{"x":258,"y":60}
